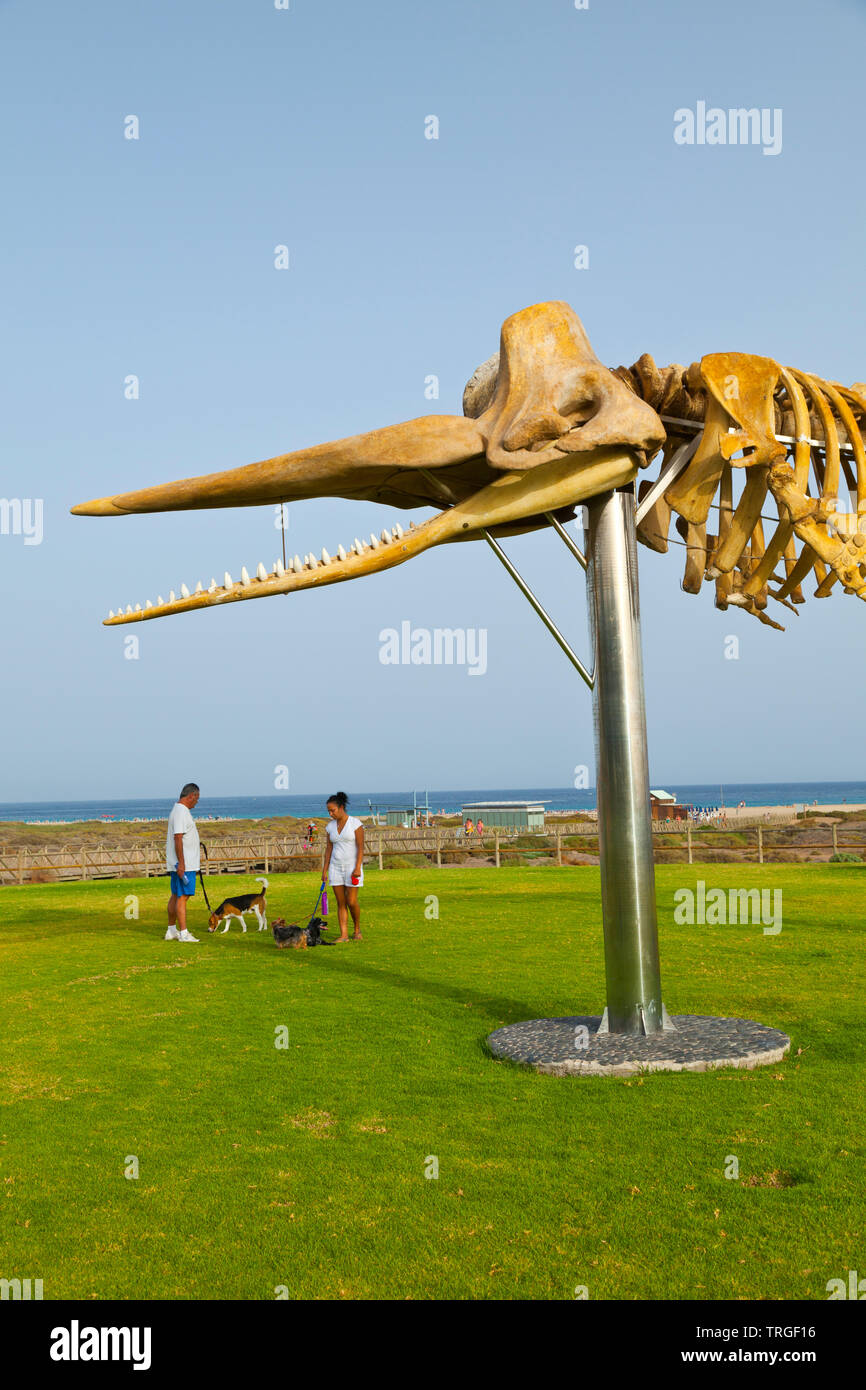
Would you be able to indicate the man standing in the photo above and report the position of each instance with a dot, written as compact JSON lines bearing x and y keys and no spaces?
{"x":182,"y":859}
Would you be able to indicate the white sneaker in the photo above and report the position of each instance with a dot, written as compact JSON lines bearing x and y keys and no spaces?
{"x":186,"y":935}
{"x":172,"y":934}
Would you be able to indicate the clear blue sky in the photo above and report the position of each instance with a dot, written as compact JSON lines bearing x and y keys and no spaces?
{"x":306,"y":127}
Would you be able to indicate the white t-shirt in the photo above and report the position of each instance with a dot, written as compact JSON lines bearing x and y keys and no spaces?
{"x":180,"y":822}
{"x":344,"y":850}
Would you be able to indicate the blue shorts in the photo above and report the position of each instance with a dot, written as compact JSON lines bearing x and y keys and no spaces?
{"x":183,"y":887}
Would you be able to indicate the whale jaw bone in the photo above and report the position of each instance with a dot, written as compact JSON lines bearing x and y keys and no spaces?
{"x":512,"y":498}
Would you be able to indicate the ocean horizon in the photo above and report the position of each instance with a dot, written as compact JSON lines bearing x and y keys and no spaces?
{"x":701,"y":795}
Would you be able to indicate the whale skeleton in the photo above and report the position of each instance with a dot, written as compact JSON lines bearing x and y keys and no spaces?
{"x":547,"y":427}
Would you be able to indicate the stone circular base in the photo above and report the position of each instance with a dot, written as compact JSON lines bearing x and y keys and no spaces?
{"x":574,"y":1046}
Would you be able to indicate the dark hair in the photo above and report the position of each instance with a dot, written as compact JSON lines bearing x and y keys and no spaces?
{"x":339,"y":799}
{"x":189,"y":789}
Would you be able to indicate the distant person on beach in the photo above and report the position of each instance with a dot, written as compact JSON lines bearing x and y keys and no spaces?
{"x":343,"y":865}
{"x":480,"y":828}
{"x":183,"y":861}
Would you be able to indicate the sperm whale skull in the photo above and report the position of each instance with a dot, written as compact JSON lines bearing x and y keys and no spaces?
{"x":549,"y":428}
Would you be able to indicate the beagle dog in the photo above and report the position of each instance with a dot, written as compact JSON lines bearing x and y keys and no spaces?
{"x":236,"y":907}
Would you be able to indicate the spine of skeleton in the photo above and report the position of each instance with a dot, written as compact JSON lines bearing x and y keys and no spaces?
{"x":801,"y":508}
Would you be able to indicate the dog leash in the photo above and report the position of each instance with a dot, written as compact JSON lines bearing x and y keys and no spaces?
{"x":321,"y":900}
{"x":201,"y":881}
{"x":321,"y":896}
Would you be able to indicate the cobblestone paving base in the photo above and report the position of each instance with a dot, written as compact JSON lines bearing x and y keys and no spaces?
{"x":560,"y":1047}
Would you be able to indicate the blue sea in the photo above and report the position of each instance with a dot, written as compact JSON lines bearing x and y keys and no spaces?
{"x":361,"y":803}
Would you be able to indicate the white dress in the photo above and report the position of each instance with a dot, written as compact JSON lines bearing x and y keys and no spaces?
{"x":344,"y":853}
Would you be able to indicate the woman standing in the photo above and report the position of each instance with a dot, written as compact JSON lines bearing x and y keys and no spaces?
{"x":344,"y":862}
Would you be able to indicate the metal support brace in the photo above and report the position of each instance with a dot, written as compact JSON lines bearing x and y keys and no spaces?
{"x":676,"y":465}
{"x":569,"y":541}
{"x":699,"y":426}
{"x":521,"y":583}
{"x":540,"y":610}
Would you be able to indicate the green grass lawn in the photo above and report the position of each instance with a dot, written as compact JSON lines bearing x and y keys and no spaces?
{"x":304,"y":1167}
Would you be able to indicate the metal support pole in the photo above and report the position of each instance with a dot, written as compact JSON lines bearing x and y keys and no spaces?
{"x":634,"y":999}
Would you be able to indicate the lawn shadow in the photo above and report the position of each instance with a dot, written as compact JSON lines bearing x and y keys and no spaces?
{"x":504,"y":1010}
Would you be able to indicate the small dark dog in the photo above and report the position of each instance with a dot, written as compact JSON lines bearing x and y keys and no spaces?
{"x":300,"y":938}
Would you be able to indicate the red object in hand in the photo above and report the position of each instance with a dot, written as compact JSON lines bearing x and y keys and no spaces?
{"x":355,"y":880}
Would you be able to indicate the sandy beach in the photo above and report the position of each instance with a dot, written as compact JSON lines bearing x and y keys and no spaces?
{"x":733,"y":814}
{"x":774,"y":812}
{"x":137,"y":832}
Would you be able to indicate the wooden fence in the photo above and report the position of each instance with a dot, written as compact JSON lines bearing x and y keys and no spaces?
{"x":438,"y":846}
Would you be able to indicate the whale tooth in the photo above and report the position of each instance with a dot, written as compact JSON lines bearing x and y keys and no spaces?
{"x":360,"y":546}
{"x":290,"y":566}
{"x":171,"y":597}
{"x":129,"y":608}
{"x":385,"y":538}
{"x":160,"y":601}
{"x":138,"y":608}
{"x":147,"y":603}
{"x":411,"y":526}
{"x":397,"y":532}
{"x":312,"y":561}
{"x":245,"y":579}
{"x":298,"y":565}
{"x":212,"y":587}
{"x":261,"y":572}
{"x":111,"y":612}
{"x":184,"y":591}
{"x":279,"y":568}
{"x":341,"y":554}
{"x":374,"y":544}
{"x":198,"y":588}
{"x":228,"y":582}
{"x":326,"y":559}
